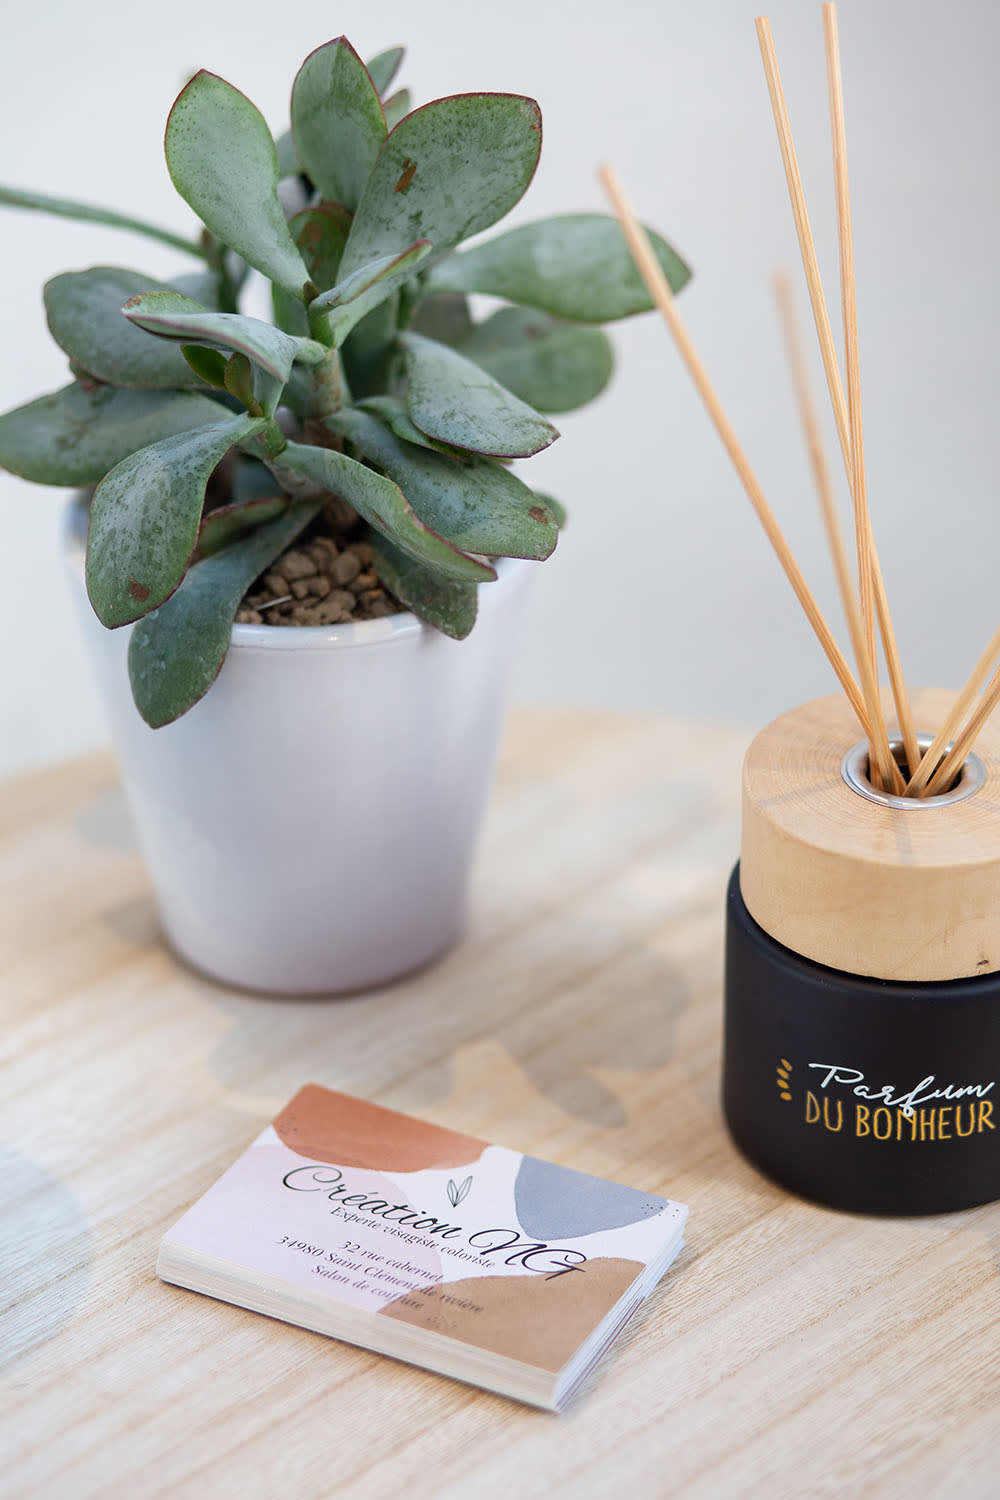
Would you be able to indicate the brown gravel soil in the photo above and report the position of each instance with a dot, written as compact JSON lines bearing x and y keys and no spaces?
{"x":326,"y":578}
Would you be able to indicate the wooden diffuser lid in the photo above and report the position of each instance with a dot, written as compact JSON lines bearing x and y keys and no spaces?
{"x":905,"y":893}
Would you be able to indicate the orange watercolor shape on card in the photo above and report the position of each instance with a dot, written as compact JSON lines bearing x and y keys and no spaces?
{"x":326,"y":1126}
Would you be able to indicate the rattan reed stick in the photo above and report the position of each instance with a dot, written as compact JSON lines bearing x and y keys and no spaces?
{"x":945,"y":772}
{"x":824,"y":332}
{"x":949,"y":728}
{"x":656,"y":284}
{"x":784,"y":295}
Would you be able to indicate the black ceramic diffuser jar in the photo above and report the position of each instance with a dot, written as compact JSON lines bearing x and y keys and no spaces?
{"x":862,"y":1032}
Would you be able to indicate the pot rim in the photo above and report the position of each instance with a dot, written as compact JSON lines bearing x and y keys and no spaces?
{"x":401,"y":626}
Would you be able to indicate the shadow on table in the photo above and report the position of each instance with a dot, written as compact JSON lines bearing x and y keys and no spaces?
{"x":562,"y":968}
{"x":620,"y":1017}
{"x":410,"y":1033}
{"x":46,"y":1250}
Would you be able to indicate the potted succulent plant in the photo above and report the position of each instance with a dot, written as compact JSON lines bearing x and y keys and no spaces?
{"x":309,"y":811}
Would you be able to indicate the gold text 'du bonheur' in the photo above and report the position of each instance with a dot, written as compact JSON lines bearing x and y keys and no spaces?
{"x":935,"y":1122}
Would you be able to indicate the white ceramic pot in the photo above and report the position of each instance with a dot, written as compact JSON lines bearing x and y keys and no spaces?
{"x":310,"y":824}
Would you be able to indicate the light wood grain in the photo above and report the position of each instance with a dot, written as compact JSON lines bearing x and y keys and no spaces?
{"x":792,"y":1352}
{"x":903,"y":893}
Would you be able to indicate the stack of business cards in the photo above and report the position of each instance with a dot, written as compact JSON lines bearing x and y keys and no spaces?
{"x":426,"y":1245}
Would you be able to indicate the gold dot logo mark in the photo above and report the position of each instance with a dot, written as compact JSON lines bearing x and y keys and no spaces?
{"x":784,"y":1068}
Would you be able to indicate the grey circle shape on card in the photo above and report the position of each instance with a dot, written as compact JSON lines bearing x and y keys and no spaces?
{"x":556,"y":1202}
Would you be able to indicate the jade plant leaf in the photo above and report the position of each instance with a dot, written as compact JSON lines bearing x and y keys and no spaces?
{"x":444,"y":316}
{"x":201,"y":286}
{"x":76,"y":435}
{"x":351,"y":299}
{"x":447,"y":603}
{"x":337,"y":121}
{"x":555,"y":506}
{"x":239,"y":382}
{"x":144,"y":519}
{"x":478,"y":505}
{"x":251,"y":479}
{"x":83,"y":309}
{"x":297,"y":395}
{"x":176,"y":652}
{"x":69,"y":208}
{"x":288,"y":312}
{"x":449,"y":169}
{"x":552,"y":365}
{"x":220,"y":528}
{"x":384,"y":506}
{"x":459,"y":403}
{"x":396,"y":106}
{"x":289,"y":164}
{"x":383,"y":68}
{"x":175,"y":317}
{"x":392,"y":412}
{"x":321,"y":234}
{"x":369,"y":351}
{"x":223,"y":163}
{"x":208,"y":364}
{"x":576,"y":266}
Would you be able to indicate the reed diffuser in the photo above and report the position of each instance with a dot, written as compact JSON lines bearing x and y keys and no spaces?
{"x":862,"y":1030}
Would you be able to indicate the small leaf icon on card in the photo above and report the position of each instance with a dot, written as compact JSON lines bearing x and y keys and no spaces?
{"x":456,"y":1194}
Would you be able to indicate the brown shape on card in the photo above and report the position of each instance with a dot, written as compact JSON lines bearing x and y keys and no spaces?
{"x":326,"y":1126}
{"x":539,"y":1320}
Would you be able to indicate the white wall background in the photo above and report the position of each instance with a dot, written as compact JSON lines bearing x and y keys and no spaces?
{"x":663,"y":594}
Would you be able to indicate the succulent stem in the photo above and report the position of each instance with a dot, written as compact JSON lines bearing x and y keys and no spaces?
{"x":329,"y":388}
{"x":266,"y":445}
{"x":70,"y":208}
{"x":297,"y":485}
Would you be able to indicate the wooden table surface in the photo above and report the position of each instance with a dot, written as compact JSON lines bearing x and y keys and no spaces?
{"x":789,"y":1352}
